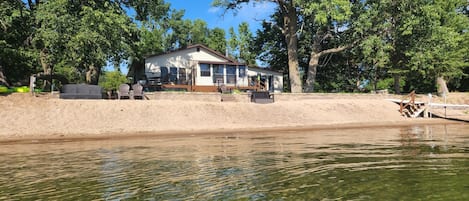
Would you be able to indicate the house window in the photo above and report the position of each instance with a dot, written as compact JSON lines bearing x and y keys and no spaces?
{"x":205,"y":70}
{"x":164,"y":75}
{"x":173,"y":74}
{"x":231,"y":74}
{"x":182,"y":76}
{"x":242,"y":71}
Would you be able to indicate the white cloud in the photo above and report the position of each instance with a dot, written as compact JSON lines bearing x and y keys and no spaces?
{"x":255,"y":11}
{"x":252,"y":13}
{"x":214,"y":9}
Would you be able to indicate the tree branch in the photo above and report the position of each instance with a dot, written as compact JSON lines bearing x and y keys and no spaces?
{"x":3,"y":25}
{"x":333,"y":50}
{"x":337,"y":49}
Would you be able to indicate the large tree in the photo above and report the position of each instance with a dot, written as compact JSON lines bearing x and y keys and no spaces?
{"x":289,"y":28}
{"x":82,"y":34}
{"x":419,"y":40}
{"x":240,"y":44}
{"x":216,"y":40}
{"x":17,"y":56}
{"x":326,"y":17}
{"x":439,"y":50}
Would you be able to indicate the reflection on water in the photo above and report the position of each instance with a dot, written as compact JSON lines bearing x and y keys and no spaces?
{"x":406,"y":163}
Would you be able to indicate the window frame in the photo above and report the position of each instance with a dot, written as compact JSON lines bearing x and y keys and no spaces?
{"x":218,"y":73}
{"x":242,"y":73}
{"x":205,"y":72}
{"x":230,"y":74}
{"x":173,"y":74}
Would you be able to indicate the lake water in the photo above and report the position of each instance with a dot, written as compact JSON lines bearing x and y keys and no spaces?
{"x":400,"y":163}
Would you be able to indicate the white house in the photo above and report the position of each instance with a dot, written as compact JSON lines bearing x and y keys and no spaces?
{"x":199,"y":68}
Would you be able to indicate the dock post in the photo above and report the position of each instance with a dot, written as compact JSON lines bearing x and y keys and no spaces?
{"x":427,"y":108}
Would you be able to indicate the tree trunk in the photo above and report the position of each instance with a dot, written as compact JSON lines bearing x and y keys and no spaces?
{"x":290,"y":28}
{"x":397,"y":84}
{"x":3,"y":78}
{"x":314,"y":63}
{"x":43,"y":55}
{"x":312,"y":71}
{"x":442,"y":88}
{"x":46,"y":67}
{"x":92,"y":75}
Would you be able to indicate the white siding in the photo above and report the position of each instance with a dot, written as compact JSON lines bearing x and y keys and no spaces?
{"x":204,"y":81}
{"x":190,"y":59}
{"x":184,"y":59}
{"x":277,"y":78}
{"x":242,"y":81}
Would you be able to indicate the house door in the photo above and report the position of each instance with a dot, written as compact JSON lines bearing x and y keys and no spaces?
{"x":219,"y":74}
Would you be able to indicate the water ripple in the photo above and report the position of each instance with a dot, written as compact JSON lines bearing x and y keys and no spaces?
{"x":362,"y":164}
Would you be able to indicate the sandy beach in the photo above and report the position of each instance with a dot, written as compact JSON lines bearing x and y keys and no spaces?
{"x":23,"y":116}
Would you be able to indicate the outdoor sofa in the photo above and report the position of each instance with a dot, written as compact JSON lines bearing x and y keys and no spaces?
{"x":81,"y":91}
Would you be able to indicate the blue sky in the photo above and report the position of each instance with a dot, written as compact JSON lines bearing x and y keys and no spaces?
{"x":216,"y":16}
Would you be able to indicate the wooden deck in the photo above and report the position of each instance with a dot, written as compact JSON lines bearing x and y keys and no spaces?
{"x":416,"y":108}
{"x":196,"y":88}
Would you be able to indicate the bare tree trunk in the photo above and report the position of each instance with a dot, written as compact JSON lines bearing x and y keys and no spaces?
{"x":46,"y":67}
{"x":290,"y":28}
{"x":3,"y":78}
{"x":92,"y":75}
{"x":442,"y":88}
{"x":43,"y":56}
{"x":314,"y":63}
{"x":312,"y":72}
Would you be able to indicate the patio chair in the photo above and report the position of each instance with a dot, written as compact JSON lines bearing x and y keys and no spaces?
{"x":123,"y":91}
{"x":138,"y":91}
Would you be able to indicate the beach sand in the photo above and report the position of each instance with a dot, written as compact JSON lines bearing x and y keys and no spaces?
{"x":23,"y":116}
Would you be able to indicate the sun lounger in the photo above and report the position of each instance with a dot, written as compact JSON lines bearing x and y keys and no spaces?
{"x":123,"y":91}
{"x":137,"y":91}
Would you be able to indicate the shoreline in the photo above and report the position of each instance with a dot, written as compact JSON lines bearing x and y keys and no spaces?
{"x":27,"y":118}
{"x":57,"y":137}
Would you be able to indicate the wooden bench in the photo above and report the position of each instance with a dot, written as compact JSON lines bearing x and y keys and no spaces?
{"x":262,"y":97}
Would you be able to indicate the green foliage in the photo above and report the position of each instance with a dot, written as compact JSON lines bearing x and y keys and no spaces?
{"x":17,"y":58}
{"x":386,"y":83}
{"x":3,"y":89}
{"x":244,"y":44}
{"x":439,"y":49}
{"x":240,"y":44}
{"x":83,"y":35}
{"x":233,"y":43}
{"x":417,"y":40}
{"x":216,"y":40}
{"x":111,"y":80}
{"x":72,"y":74}
{"x":324,"y":12}
{"x":270,"y":46}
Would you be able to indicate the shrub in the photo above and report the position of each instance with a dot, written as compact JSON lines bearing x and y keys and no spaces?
{"x":3,"y":89}
{"x":111,"y":80}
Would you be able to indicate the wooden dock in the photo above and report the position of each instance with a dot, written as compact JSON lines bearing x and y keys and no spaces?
{"x":414,"y":109}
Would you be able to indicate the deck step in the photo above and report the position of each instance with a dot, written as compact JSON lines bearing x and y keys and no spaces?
{"x":228,"y":98}
{"x":417,"y":113}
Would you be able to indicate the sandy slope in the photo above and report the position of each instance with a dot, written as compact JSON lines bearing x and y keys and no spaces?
{"x":23,"y":116}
